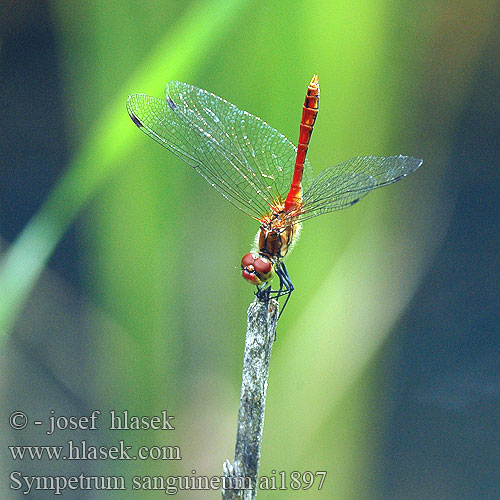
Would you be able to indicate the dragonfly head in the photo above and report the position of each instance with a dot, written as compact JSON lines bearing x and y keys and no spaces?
{"x":256,"y":269}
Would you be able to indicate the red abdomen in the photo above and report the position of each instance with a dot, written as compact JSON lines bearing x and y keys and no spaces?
{"x":309,"y":112}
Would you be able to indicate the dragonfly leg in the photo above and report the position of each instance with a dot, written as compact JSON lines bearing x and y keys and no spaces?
{"x":286,"y":285}
{"x":264,"y":292}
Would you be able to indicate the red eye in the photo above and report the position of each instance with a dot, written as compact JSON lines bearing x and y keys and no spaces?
{"x":262,"y":266}
{"x":255,"y":269}
{"x":247,"y":260}
{"x":251,"y":277}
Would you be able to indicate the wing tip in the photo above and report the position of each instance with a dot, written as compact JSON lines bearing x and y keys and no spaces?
{"x":171,"y":103}
{"x":131,"y":113}
{"x":135,"y":119}
{"x":416,"y":162}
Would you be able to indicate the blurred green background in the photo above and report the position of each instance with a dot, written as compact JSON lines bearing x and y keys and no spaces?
{"x":119,"y":280}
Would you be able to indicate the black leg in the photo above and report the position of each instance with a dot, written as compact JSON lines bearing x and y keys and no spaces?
{"x":265,"y":292}
{"x":286,"y":285}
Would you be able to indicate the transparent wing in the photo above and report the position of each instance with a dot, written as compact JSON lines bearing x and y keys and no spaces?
{"x":242,"y":157}
{"x":343,"y":185}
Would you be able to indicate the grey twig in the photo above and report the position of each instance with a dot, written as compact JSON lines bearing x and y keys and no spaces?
{"x":261,"y":330}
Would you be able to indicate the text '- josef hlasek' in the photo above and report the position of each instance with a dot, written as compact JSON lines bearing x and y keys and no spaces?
{"x":118,"y":421}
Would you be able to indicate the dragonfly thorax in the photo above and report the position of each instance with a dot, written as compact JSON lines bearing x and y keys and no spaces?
{"x":275,"y":239}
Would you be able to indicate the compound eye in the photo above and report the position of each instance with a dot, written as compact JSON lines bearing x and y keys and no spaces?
{"x":262,"y":266}
{"x":247,"y":260}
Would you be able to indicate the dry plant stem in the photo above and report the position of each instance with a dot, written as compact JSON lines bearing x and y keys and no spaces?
{"x":261,"y":331}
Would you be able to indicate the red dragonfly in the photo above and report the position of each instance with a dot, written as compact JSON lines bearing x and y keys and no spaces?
{"x":259,"y":170}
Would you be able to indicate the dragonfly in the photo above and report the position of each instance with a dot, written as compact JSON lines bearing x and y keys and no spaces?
{"x":259,"y":170}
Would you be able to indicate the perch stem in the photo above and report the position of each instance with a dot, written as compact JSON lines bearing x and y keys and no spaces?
{"x":261,"y":331}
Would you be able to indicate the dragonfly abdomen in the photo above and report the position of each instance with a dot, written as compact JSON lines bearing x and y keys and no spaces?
{"x":309,"y":113}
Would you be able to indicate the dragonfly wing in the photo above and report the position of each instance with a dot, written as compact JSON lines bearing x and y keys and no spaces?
{"x":154,"y":117}
{"x":343,"y":185}
{"x":241,"y":156}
